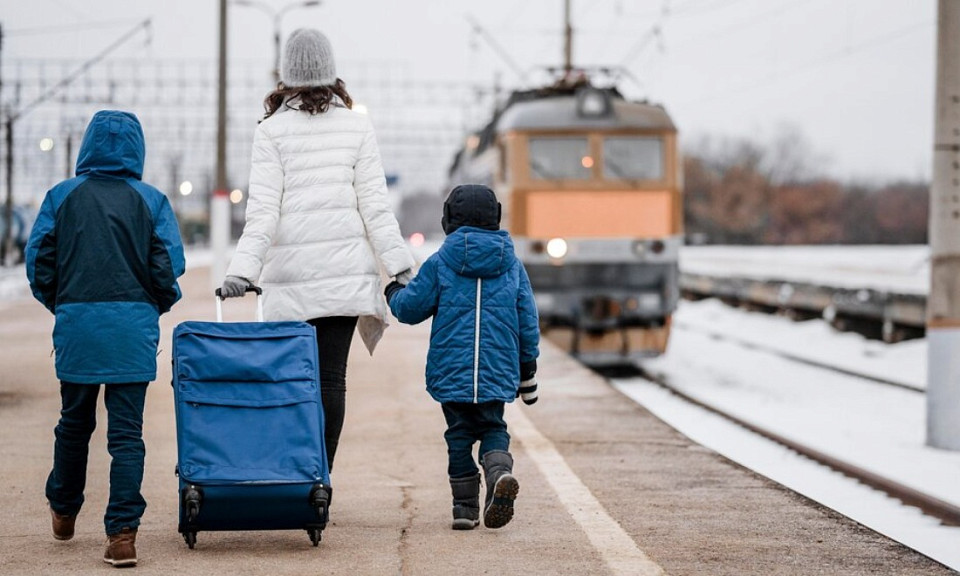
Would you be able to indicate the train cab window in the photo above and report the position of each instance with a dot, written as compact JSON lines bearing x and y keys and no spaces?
{"x":633,"y":158}
{"x":560,"y":159}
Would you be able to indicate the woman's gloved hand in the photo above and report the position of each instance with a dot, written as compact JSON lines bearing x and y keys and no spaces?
{"x":234,"y":287}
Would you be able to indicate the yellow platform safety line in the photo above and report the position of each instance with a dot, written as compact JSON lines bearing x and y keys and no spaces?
{"x":619,"y":552}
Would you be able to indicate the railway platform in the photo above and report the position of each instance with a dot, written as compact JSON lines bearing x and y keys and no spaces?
{"x":605,"y":487}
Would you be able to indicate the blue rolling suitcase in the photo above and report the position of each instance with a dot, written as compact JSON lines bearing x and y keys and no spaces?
{"x":250,"y":450}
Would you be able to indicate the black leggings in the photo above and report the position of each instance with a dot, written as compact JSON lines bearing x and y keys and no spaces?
{"x":334,"y":335}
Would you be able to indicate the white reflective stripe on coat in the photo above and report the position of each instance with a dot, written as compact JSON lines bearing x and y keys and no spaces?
{"x":476,"y":345}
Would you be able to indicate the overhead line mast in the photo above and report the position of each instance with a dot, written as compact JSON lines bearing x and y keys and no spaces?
{"x":943,"y":303}
{"x":567,"y":39}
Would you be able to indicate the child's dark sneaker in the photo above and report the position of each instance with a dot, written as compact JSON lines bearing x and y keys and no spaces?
{"x":62,"y":525}
{"x":121,"y":548}
{"x":466,"y":502}
{"x":502,"y":488}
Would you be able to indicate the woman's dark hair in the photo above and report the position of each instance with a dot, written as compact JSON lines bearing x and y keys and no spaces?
{"x":313,"y":99}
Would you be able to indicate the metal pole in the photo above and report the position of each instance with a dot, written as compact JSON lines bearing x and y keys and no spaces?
{"x":68,"y":174}
{"x":567,"y":40}
{"x":175,"y":185}
{"x":276,"y":48}
{"x":219,"y":206}
{"x":6,"y":240}
{"x":943,"y":303}
{"x":6,"y":250}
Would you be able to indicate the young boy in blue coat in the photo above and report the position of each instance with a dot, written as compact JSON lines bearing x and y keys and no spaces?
{"x":483,"y":347}
{"x":104,"y":256}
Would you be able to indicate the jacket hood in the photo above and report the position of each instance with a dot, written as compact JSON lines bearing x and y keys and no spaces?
{"x":112,"y":145}
{"x":478,"y":253}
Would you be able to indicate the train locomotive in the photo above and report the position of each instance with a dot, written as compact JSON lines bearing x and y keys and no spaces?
{"x":591,"y":188}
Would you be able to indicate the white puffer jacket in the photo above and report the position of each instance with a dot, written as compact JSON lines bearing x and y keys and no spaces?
{"x":318,"y":221}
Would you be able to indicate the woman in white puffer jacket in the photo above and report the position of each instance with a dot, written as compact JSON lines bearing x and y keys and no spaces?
{"x":318,"y":223}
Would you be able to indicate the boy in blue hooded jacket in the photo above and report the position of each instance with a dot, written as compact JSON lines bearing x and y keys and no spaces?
{"x":104,"y":256}
{"x":483,"y":347}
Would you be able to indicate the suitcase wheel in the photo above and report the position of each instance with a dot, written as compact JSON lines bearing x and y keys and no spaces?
{"x":320,"y":498}
{"x":191,"y":503}
{"x":315,"y":536}
{"x":191,"y":539}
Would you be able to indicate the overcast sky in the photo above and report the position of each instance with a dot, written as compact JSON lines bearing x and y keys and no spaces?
{"x":855,"y":76}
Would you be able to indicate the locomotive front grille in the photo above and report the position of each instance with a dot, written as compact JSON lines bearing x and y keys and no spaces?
{"x":626,"y":276}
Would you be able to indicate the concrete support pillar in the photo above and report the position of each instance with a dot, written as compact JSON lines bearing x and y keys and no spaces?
{"x":943,"y":303}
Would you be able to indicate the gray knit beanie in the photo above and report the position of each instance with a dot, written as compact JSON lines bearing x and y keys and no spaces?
{"x":308,"y":60}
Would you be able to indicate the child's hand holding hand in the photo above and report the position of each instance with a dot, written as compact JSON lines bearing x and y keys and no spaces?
{"x":391,"y":289}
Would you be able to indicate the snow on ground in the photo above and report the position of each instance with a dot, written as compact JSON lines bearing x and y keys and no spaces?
{"x":902,"y":269}
{"x":812,"y":340}
{"x":875,"y":426}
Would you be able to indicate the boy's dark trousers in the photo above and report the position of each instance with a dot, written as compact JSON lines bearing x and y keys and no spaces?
{"x":66,"y":483}
{"x":469,"y":423}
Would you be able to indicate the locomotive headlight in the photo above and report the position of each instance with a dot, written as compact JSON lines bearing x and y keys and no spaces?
{"x":545,"y":302}
{"x":650,"y":301}
{"x":593,"y":103}
{"x":557,"y":248}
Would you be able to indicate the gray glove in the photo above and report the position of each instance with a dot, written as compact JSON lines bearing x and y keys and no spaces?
{"x":234,"y":287}
{"x":405,"y":276}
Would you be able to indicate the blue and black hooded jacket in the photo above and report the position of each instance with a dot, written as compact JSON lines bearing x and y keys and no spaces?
{"x":104,"y":256}
{"x":485,"y":321}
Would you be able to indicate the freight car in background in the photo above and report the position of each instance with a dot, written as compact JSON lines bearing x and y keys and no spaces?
{"x":590,"y":185}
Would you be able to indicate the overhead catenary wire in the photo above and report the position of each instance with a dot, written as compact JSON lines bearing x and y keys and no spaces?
{"x":652,"y":33}
{"x":497,"y":48}
{"x":827,"y":59}
{"x":737,"y":26}
{"x":79,"y":27}
{"x":145,"y":24}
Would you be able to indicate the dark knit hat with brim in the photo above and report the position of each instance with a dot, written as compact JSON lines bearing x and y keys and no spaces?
{"x":471,"y":205}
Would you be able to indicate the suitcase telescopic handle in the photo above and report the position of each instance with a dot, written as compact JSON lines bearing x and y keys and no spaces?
{"x":250,"y":288}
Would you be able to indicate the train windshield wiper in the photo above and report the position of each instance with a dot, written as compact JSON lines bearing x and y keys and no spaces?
{"x":542,"y":171}
{"x":619,"y":171}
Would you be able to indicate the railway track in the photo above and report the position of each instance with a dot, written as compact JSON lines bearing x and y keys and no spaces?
{"x":720,"y":336}
{"x":948,"y":514}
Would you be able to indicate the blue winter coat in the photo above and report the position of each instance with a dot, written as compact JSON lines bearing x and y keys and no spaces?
{"x":485,"y":319}
{"x":104,"y":256}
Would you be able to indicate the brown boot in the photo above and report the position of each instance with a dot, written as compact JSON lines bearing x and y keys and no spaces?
{"x":62,"y":525}
{"x":121,"y":548}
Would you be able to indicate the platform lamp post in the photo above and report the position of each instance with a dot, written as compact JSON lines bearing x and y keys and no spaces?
{"x":219,"y":204}
{"x":277,"y":16}
{"x":943,"y":303}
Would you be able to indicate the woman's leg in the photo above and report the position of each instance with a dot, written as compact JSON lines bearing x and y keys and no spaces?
{"x":334,"y":335}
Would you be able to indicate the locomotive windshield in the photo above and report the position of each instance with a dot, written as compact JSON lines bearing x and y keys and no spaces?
{"x":625,"y":157}
{"x":633,"y":158}
{"x":564,"y":158}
